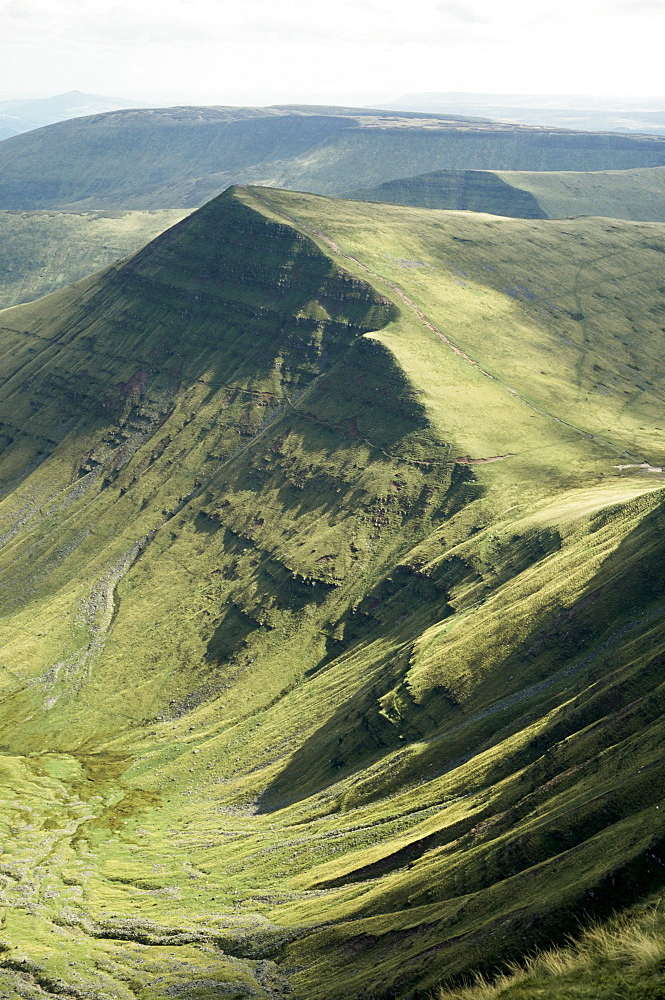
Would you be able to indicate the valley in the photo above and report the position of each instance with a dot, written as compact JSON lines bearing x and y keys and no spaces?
{"x":332,"y":622}
{"x":45,"y":250}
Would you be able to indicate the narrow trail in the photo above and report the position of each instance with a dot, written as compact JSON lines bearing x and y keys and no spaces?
{"x":97,"y":614}
{"x":576,"y":293}
{"x":427,"y":322}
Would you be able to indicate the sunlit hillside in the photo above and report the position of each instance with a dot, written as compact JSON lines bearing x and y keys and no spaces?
{"x":537,"y":194}
{"x":332,"y":623}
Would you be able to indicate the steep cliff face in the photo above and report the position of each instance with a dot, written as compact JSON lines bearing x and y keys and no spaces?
{"x":331,"y":648}
{"x":207,"y":366}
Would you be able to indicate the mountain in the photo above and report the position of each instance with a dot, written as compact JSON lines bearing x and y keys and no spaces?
{"x":28,"y":113}
{"x":173,"y":157}
{"x":44,"y":250}
{"x":622,"y":194}
{"x":181,"y":157}
{"x":332,"y":624}
{"x":606,"y":114}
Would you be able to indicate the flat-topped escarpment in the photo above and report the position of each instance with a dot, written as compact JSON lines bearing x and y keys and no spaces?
{"x":465,"y":190}
{"x":538,"y":194}
{"x":181,"y":157}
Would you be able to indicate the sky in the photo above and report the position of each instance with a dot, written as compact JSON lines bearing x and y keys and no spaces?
{"x":320,"y":51}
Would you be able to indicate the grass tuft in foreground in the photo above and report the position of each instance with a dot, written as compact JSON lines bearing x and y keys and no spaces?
{"x":622,"y":957}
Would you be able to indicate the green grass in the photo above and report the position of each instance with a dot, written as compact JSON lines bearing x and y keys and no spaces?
{"x":621,"y":194}
{"x":467,"y":190}
{"x":637,"y":194}
{"x":182,"y":157}
{"x":623,"y":956}
{"x":332,"y":628}
{"x":42,"y":251}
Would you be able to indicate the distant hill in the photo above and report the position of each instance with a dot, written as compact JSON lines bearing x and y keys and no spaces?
{"x":607,"y":114}
{"x":43,"y":250}
{"x":181,"y":157}
{"x":23,"y":115}
{"x":465,"y":190}
{"x":622,"y":194}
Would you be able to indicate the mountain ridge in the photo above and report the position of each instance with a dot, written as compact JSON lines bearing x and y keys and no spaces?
{"x":324,"y":150}
{"x":332,"y":635}
{"x":624,"y":194}
{"x":24,"y":114}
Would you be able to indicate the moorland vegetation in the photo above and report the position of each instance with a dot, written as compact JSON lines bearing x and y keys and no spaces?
{"x":182,"y":157}
{"x":536,"y":194}
{"x":78,"y":195}
{"x":332,"y":630}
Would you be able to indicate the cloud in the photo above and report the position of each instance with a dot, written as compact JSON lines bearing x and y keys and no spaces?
{"x":634,"y":8}
{"x":459,"y":11}
{"x":217,"y":50}
{"x":351,"y":25}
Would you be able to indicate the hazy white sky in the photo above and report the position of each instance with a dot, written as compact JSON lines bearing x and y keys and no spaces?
{"x":354,"y":51}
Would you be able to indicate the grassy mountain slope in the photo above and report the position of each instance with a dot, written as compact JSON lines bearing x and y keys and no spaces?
{"x":44,"y":250}
{"x":622,"y":194}
{"x":169,"y":158}
{"x":332,"y":632}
